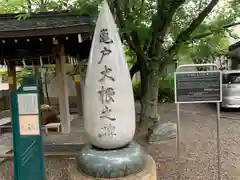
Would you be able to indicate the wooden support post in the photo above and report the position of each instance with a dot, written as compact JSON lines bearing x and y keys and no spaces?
{"x":79,"y":98}
{"x":78,"y":83}
{"x":62,"y":92}
{"x":39,"y":75}
{"x":12,"y":80}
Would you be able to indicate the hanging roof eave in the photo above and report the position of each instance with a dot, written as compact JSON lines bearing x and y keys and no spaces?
{"x":44,"y":24}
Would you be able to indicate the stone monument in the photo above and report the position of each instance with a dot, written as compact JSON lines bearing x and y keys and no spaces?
{"x":109,"y":112}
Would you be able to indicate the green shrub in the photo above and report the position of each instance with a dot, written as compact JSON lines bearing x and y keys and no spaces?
{"x":166,"y":89}
{"x":137,"y":90}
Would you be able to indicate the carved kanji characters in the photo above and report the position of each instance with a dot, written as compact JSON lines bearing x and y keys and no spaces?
{"x":106,"y":94}
{"x":105,"y":74}
{"x":104,"y":52}
{"x":105,"y":113}
{"x":104,"y":37}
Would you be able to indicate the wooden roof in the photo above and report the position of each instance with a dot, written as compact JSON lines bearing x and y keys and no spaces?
{"x":33,"y":37}
{"x":234,"y":51}
{"x":42,"y":24}
{"x":234,"y":46}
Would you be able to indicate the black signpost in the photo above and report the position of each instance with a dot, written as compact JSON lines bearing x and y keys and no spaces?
{"x":198,"y":87}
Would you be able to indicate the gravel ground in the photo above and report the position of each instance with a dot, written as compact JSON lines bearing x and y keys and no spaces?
{"x":198,"y":148}
{"x":56,"y":169}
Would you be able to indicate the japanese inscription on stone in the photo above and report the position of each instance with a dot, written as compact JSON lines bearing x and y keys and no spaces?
{"x":108,"y":130}
{"x":105,"y":74}
{"x":104,"y":52}
{"x":106,"y":94}
{"x":104,"y":37}
{"x":108,"y":85}
{"x":105,"y":113}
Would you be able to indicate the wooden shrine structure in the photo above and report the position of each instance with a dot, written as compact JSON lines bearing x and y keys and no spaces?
{"x":51,"y":36}
{"x":234,"y":50}
{"x":234,"y":54}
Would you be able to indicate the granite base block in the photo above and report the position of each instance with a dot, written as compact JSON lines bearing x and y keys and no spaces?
{"x":147,"y":173}
{"x":116,"y":163}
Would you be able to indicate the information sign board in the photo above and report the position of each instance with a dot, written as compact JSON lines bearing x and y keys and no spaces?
{"x":27,"y":135}
{"x":198,"y":87}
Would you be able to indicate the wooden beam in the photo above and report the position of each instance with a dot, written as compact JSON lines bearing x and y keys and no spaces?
{"x":77,"y":29}
{"x":35,"y":48}
{"x":12,"y":80}
{"x":62,"y":90}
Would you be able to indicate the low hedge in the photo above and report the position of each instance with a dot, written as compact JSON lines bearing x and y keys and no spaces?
{"x":166,"y":89}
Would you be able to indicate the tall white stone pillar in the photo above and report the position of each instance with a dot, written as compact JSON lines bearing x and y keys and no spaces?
{"x":109,"y":112}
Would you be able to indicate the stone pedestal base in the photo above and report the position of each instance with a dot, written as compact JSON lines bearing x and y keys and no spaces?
{"x":147,"y":173}
{"x":114,"y":163}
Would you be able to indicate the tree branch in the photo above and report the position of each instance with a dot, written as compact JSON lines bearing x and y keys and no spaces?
{"x":169,"y":15}
{"x":29,"y":4}
{"x":130,"y":39}
{"x":126,"y":8}
{"x":199,"y":36}
{"x":157,"y":24}
{"x":162,"y":20}
{"x":185,"y":35}
{"x":142,"y":5}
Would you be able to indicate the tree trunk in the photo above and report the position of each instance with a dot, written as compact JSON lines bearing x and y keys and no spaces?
{"x":150,"y":114}
{"x":151,"y":95}
{"x":144,"y":82}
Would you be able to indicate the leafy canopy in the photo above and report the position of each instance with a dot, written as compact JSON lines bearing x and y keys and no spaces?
{"x":208,"y":39}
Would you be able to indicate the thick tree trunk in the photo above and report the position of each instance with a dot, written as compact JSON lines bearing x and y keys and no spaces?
{"x":151,"y":96}
{"x":139,"y":66}
{"x":150,"y":115}
{"x":144,"y":83}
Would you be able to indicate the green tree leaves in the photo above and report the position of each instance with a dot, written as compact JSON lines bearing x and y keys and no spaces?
{"x":151,"y":24}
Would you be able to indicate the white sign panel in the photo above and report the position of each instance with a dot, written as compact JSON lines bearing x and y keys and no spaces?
{"x":29,"y":125}
{"x":30,"y":88}
{"x":28,"y":104}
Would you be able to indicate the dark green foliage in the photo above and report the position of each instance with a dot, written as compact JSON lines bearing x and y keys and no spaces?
{"x":24,"y":73}
{"x":166,"y":89}
{"x":137,"y":90}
